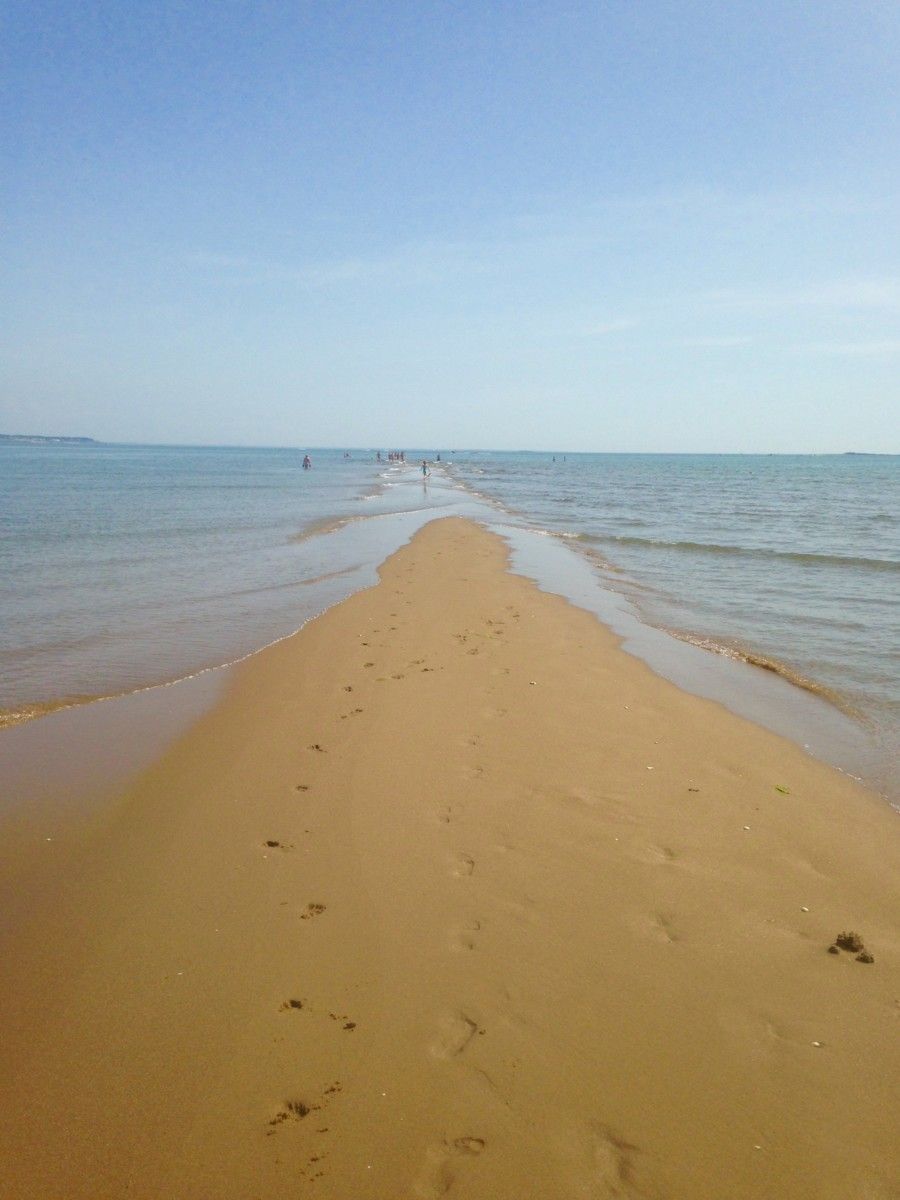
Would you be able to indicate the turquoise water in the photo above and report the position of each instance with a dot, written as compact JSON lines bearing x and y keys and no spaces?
{"x":127,"y":566}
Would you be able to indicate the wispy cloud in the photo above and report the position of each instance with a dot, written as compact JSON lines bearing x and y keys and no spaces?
{"x":418,"y":263}
{"x":834,"y":294}
{"x":603,"y":244}
{"x":714,"y":342}
{"x":764,"y":206}
{"x":871,"y":349}
{"x":425,"y":262}
{"x":604,"y":328}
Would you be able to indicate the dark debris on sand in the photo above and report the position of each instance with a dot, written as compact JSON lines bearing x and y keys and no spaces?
{"x":853,"y":944}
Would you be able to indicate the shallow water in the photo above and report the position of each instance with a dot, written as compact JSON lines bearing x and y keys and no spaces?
{"x":792,"y":562}
{"x":122,"y":567}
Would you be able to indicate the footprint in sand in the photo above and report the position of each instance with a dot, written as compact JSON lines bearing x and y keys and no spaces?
{"x":656,"y":854}
{"x":665,"y":928}
{"x":294,"y":1110}
{"x":297,"y":1110}
{"x":468,"y":1145}
{"x":463,"y":937}
{"x":659,"y":925}
{"x":455,"y":1032}
{"x":438,"y":1175}
{"x":597,"y":1163}
{"x":462,"y":866}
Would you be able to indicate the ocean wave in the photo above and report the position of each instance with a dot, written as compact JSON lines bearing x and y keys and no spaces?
{"x":565,"y":534}
{"x":798,"y":556}
{"x":464,"y":485}
{"x":766,"y":663}
{"x":30,"y":712}
{"x":267,"y":588}
{"x":325,"y":525}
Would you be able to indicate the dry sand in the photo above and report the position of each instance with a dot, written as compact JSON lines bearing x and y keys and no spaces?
{"x":449,"y":895}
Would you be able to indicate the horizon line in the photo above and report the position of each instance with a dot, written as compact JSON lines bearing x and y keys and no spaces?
{"x":83,"y":439}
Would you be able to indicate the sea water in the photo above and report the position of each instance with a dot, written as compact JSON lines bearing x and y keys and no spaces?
{"x":789,"y":562}
{"x":127,"y":566}
{"x":794,"y":560}
{"x":122,"y":567}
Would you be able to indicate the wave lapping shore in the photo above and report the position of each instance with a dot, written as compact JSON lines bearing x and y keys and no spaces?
{"x":449,"y":895}
{"x":790,"y":561}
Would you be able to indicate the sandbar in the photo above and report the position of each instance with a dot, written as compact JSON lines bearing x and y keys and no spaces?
{"x":449,"y":895}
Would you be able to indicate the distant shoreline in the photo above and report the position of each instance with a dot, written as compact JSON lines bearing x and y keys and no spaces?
{"x":41,"y":439}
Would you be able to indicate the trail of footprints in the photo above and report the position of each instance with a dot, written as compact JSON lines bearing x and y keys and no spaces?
{"x":596,"y":1158}
{"x":295,"y":1108}
{"x":305,"y":1108}
{"x":592,"y":1159}
{"x":456,"y":1031}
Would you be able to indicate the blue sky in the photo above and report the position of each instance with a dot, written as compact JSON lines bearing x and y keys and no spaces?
{"x":605,"y":226}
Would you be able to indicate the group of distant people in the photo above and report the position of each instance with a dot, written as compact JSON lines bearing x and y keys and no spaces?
{"x":400,"y":457}
{"x":392,"y":456}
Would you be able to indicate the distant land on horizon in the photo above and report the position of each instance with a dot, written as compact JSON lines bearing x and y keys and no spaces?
{"x":40,"y":439}
{"x":31,"y":438}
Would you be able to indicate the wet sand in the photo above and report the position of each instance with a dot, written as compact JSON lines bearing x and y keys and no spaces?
{"x":451,"y":896}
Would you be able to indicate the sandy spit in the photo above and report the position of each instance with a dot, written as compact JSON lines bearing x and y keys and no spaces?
{"x":451,"y":896}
